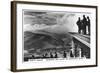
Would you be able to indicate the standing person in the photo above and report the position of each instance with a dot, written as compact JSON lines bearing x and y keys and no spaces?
{"x":33,"y":56}
{"x":88,"y":24}
{"x":51,"y":56}
{"x":79,"y":24}
{"x":56,"y":56}
{"x":64,"y":54}
{"x":43,"y":56}
{"x":71,"y":53}
{"x":84,"y":22}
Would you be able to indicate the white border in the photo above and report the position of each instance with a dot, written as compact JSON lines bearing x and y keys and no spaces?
{"x":58,"y":63}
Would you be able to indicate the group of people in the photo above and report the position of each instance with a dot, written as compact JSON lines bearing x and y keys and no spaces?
{"x":51,"y":55}
{"x":55,"y":55}
{"x":83,"y":25}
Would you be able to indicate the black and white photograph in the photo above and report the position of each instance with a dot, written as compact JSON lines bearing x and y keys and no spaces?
{"x":53,"y":36}
{"x":56,"y":35}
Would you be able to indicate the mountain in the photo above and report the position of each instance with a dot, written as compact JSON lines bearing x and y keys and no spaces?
{"x":41,"y":39}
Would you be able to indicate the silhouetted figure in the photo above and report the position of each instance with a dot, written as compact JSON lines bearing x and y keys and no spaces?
{"x":33,"y":56}
{"x":88,"y":24}
{"x":43,"y":56}
{"x":79,"y":24}
{"x":56,"y":56}
{"x":64,"y":54}
{"x":84,"y":22}
{"x":46,"y":54}
{"x":71,"y":54}
{"x":51,"y":56}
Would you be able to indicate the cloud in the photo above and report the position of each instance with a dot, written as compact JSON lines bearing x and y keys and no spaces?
{"x":64,"y":25}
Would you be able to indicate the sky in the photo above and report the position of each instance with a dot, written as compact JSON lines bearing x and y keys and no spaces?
{"x":58,"y":22}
